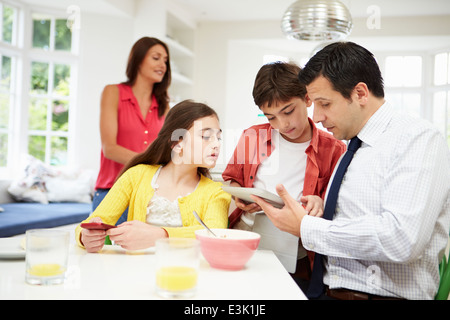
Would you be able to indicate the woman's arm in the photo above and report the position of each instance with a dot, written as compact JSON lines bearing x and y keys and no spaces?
{"x":109,"y":126}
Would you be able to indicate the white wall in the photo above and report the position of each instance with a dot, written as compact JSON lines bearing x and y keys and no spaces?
{"x":105,"y":42}
{"x":230,"y":54}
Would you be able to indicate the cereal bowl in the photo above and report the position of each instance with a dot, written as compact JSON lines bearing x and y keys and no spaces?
{"x":230,"y":250}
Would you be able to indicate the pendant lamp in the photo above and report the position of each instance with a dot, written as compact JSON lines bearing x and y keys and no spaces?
{"x":317,"y":20}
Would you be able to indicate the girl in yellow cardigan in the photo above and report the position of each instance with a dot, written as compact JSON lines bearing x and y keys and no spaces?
{"x":164,"y":184}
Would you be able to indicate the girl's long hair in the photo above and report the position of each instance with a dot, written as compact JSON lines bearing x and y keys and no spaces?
{"x":178,"y":120}
{"x":137,"y":55}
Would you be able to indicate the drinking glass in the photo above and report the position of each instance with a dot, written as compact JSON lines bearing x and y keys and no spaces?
{"x":46,"y":257}
{"x":177,"y":263}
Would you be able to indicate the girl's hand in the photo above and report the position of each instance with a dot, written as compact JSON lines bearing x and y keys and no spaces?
{"x":136,"y":235}
{"x":246,"y":207}
{"x":93,"y":240}
{"x":313,"y":205}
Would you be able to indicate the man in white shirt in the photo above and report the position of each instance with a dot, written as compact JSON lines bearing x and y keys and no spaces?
{"x":392,"y":219}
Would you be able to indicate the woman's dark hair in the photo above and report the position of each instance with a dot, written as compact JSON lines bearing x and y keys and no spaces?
{"x":179,"y":119}
{"x":137,"y":55}
{"x":277,"y":82}
{"x":344,"y":64}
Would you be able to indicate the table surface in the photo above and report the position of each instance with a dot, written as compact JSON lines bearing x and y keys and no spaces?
{"x":115,"y":273}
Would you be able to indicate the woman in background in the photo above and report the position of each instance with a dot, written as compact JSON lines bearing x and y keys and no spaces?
{"x":133,"y":112}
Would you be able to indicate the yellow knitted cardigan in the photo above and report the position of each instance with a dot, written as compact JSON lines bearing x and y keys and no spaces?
{"x":133,"y":189}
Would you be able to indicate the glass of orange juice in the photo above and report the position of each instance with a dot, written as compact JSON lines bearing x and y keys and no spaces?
{"x":177,"y":262}
{"x":46,"y":257}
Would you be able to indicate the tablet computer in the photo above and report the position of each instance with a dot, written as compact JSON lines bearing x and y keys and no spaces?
{"x":244,"y":194}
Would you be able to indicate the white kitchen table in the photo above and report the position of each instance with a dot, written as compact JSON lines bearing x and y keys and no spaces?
{"x":115,"y":273}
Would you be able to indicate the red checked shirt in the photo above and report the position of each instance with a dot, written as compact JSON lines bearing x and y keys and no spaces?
{"x":255,"y":146}
{"x":134,"y":132}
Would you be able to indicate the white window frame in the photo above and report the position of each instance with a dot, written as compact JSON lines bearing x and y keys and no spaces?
{"x":15,"y":51}
{"x":427,"y":89}
{"x":425,"y":78}
{"x":24,"y":54}
{"x":441,"y":88}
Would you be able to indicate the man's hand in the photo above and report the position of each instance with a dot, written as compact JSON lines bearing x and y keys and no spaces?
{"x":289,"y":217}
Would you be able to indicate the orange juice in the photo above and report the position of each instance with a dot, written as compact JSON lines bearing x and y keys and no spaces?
{"x":46,"y":270}
{"x":176,"y":278}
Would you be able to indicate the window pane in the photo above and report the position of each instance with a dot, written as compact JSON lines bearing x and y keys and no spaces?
{"x":63,"y":35}
{"x":394,"y":72}
{"x":36,"y":147}
{"x":58,"y":151}
{"x":403,"y":71}
{"x":39,"y":77}
{"x":412,"y":71}
{"x":448,"y":118}
{"x":41,"y":31}
{"x":411,"y":104}
{"x":4,"y":111}
{"x":37,"y":114}
{"x":448,"y":68}
{"x":405,"y":102}
{"x":60,"y":118}
{"x":5,"y":80}
{"x":8,"y":22}
{"x":61,"y":79}
{"x":3,"y":149}
{"x":440,"y":68}
{"x":439,"y":110}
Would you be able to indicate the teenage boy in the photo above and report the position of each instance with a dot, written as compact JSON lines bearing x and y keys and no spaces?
{"x":289,"y":149}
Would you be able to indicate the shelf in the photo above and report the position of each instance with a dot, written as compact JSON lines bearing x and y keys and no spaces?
{"x":180,"y":38}
{"x":181,"y":79}
{"x":177,"y":49}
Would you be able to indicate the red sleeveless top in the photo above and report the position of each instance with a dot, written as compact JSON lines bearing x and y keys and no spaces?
{"x":134,"y":132}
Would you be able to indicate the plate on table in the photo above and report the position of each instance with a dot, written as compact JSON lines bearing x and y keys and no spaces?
{"x":12,"y":248}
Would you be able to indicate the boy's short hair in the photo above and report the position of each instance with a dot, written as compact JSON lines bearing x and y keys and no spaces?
{"x":277,"y":82}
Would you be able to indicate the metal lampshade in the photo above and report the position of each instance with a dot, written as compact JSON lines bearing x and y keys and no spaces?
{"x":321,"y":20}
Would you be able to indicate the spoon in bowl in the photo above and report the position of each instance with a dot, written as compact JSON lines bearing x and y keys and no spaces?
{"x":203,"y":224}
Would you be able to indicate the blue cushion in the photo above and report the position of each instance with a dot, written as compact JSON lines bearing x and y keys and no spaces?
{"x":19,"y":217}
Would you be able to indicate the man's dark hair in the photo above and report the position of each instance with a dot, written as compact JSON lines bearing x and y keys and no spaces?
{"x":344,"y":64}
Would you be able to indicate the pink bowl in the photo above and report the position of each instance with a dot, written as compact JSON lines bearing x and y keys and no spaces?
{"x":231,"y":250}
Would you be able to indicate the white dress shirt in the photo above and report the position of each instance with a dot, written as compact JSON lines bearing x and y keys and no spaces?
{"x":392,"y":219}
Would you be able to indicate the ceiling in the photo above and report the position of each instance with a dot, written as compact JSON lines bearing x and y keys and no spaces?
{"x":230,"y":10}
{"x":274,"y":9}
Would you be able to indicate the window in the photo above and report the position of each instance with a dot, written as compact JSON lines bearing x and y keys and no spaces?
{"x":442,"y":69}
{"x":36,"y":86}
{"x":49,"y":96}
{"x":403,"y":83}
{"x":403,"y":71}
{"x":48,"y":113}
{"x":9,"y":18}
{"x":50,"y":33}
{"x":6,"y":100}
{"x":7,"y":79}
{"x":441,"y":95}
